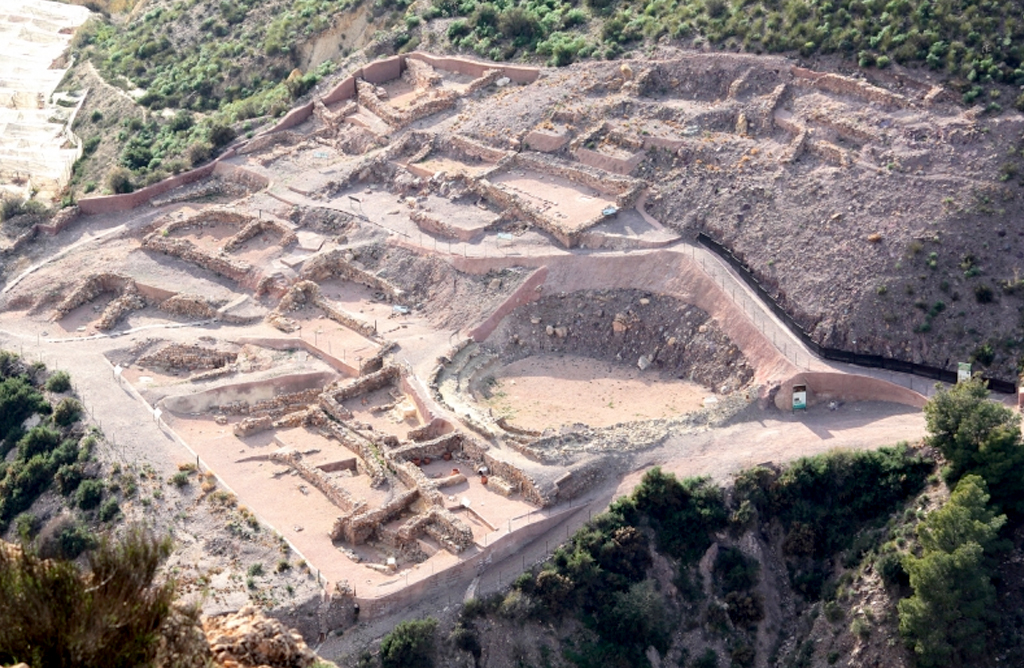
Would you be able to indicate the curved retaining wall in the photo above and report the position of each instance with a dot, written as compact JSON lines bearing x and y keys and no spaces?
{"x":671,"y":272}
{"x":847,"y":387}
{"x":524,"y":294}
{"x":252,"y":391}
{"x":111,"y":203}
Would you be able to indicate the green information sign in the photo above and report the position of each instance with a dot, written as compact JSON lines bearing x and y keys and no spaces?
{"x":963,"y":372}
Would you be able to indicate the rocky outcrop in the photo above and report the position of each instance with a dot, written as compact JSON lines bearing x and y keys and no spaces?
{"x":248,"y":638}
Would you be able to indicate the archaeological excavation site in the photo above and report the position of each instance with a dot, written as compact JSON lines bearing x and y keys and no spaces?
{"x":429,"y":317}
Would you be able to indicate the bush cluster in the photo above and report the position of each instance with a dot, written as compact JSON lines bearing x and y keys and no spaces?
{"x":55,"y":613}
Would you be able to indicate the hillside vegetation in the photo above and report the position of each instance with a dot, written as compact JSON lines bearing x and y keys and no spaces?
{"x":211,"y":70}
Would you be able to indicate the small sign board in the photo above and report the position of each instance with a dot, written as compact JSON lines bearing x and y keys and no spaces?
{"x":799,"y":397}
{"x":963,"y":372}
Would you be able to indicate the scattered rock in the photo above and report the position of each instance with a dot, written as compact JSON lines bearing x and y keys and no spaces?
{"x":248,"y":638}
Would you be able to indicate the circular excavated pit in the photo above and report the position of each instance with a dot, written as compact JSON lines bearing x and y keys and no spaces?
{"x":603,"y":357}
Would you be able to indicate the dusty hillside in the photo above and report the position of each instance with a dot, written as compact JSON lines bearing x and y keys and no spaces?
{"x":879,"y":211}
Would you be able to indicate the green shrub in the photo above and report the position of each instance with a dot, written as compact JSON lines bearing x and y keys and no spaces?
{"x":67,"y":478}
{"x":109,"y":510}
{"x":89,"y":494}
{"x":19,"y":400}
{"x":40,"y":440}
{"x":255,"y":570}
{"x":56,"y":614}
{"x":409,"y":645}
{"x":890,"y":568}
{"x":180,"y":479}
{"x":67,"y":412}
{"x":119,"y":180}
{"x":947,"y":618}
{"x":983,"y":293}
{"x":519,"y":25}
{"x":182,"y":121}
{"x":26,"y":526}
{"x":823,"y":501}
{"x":978,"y":436}
{"x":11,"y":207}
{"x":221,"y":135}
{"x":58,"y":382}
{"x":198,"y":153}
{"x":458,"y":29}
{"x":736,"y":571}
{"x":90,"y":145}
{"x":637,"y":617}
{"x":683,"y":513}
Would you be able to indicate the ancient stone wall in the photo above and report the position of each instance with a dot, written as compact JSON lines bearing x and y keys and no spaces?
{"x":576,"y":482}
{"x":435,"y":448}
{"x":370,"y":462}
{"x":274,"y":407}
{"x":207,"y":217}
{"x":836,"y":83}
{"x":253,"y":425}
{"x":544,"y":141}
{"x":190,"y":306}
{"x":524,"y":294}
{"x":520,"y":74}
{"x":128,"y":301}
{"x":264,"y":142}
{"x":449,"y":530}
{"x":518,"y":479}
{"x":307,"y":292}
{"x":333,"y":263}
{"x":608,"y":163}
{"x":845,"y":128}
{"x":128,"y":298}
{"x":420,"y":74}
{"x":434,"y":225}
{"x":256,"y":227}
{"x":333,"y":407}
{"x":430,"y":102}
{"x":474,"y":149}
{"x":830,"y":152}
{"x":339,"y":496}
{"x":357,"y":528}
{"x":604,"y":183}
{"x":60,"y":221}
{"x":191,"y":357}
{"x":111,"y":203}
{"x":515,"y":205}
{"x":236,"y":270}
{"x":355,"y":387}
{"x":90,"y":288}
{"x":488,"y":78}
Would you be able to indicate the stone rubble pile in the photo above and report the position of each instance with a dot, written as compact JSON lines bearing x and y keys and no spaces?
{"x":249,"y":639}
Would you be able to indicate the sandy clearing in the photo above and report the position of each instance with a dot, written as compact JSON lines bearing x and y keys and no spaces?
{"x":545,"y":391}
